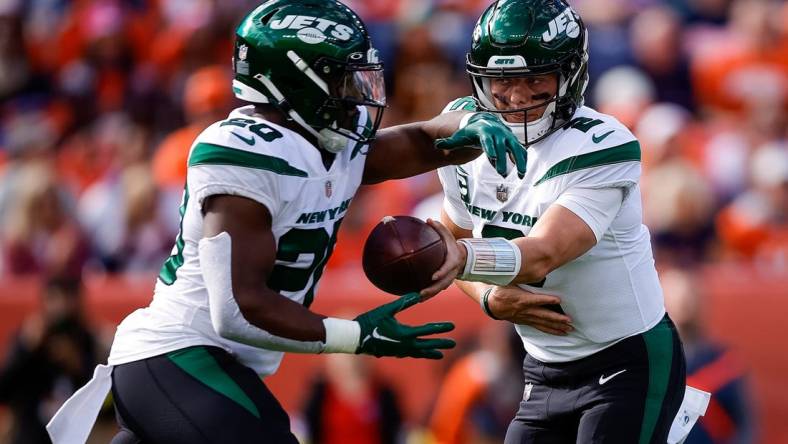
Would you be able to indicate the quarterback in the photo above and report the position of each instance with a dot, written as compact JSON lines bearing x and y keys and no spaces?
{"x":267,"y":189}
{"x":604,"y":363}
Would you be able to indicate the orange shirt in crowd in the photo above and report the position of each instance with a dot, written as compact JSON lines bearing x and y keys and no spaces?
{"x":742,"y":236}
{"x":169,"y":159}
{"x":728,"y":79}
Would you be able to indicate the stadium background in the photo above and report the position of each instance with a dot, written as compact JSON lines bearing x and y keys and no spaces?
{"x":100,"y":100}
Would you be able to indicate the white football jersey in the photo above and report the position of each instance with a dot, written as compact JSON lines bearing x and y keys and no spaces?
{"x":248,"y":156}
{"x":612,"y":291}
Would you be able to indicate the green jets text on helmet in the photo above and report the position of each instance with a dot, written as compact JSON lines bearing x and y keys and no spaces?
{"x":314,"y":61}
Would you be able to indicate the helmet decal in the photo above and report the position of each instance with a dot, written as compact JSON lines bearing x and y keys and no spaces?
{"x":536,"y":39}
{"x":516,"y":61}
{"x":564,"y":22}
{"x":314,"y":61}
{"x":314,"y":25}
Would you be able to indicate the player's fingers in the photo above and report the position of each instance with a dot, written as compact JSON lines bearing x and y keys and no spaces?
{"x":427,"y":354}
{"x":550,"y":331}
{"x":443,"y":344}
{"x":431,"y":328}
{"x":535,"y":322}
{"x":447,"y":143}
{"x":547,"y":327}
{"x":547,"y":315}
{"x":456,"y":140}
{"x":405,"y":301}
{"x":520,"y":159}
{"x":437,"y":286}
{"x":452,"y":254}
{"x":441,"y":229}
{"x":538,"y":299}
{"x":496,"y":152}
{"x":549,"y":311}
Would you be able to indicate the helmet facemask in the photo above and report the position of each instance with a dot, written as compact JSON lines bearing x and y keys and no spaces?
{"x":555,"y":113}
{"x":354,"y":105}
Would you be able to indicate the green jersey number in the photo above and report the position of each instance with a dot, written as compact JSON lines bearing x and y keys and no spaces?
{"x":174,"y":262}
{"x":309,"y":249}
{"x":264,"y":131}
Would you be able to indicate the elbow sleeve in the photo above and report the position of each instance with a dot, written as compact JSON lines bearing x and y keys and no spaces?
{"x":226,"y":317}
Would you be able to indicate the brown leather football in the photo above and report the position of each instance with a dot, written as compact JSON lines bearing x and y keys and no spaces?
{"x":401,"y":254}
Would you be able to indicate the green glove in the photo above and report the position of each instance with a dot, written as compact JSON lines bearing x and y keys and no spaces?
{"x":487,"y":131}
{"x":382,"y":335}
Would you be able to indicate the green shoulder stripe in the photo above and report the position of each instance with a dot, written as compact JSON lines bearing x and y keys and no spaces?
{"x":467,"y":103}
{"x":210,"y":154}
{"x":628,"y":152}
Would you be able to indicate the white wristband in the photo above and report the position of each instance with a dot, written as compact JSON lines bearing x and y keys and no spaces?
{"x":342,"y":335}
{"x":494,"y":261}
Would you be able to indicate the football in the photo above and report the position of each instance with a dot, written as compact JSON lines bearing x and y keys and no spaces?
{"x":401,"y":254}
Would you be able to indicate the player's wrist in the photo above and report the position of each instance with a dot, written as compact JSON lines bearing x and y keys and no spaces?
{"x":484,"y":301}
{"x":342,"y":335}
{"x":493,"y":260}
{"x":466,"y":119}
{"x":462,"y":249}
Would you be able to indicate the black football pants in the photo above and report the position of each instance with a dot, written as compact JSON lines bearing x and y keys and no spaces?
{"x":628,"y":393}
{"x":197,"y":395}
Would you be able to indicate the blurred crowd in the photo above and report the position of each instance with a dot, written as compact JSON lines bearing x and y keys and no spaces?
{"x":101,"y":99}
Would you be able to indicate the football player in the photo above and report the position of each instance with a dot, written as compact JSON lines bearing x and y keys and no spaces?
{"x":267,"y":189}
{"x":605,"y":365}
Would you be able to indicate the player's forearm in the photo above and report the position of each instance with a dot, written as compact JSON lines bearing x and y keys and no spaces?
{"x":538,"y":258}
{"x":245,"y":311}
{"x":408,"y":150}
{"x":442,"y":125}
{"x":281,"y":316}
{"x":527,"y":260}
{"x":474,"y":290}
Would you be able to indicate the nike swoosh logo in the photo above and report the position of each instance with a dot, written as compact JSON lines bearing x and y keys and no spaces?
{"x":377,"y":335}
{"x":603,"y":379}
{"x":249,"y":141}
{"x":598,"y":139}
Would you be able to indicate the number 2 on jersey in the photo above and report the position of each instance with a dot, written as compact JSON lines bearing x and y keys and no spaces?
{"x":264,"y":131}
{"x":306,"y":251}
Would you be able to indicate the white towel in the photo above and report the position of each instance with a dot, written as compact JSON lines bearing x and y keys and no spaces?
{"x":692,"y":407}
{"x":74,"y":420}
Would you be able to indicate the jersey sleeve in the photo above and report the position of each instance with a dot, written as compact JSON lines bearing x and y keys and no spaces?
{"x":205,"y":180}
{"x":607,"y":157}
{"x":452,"y":197}
{"x":597,"y":207}
{"x":229,"y":159}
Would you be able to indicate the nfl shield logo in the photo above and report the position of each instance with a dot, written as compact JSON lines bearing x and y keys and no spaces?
{"x":328,"y":188}
{"x":502,"y":193}
{"x":242,"y":52}
{"x":527,"y":391}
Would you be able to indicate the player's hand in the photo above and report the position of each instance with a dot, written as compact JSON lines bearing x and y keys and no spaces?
{"x":452,"y":265}
{"x":487,"y":131}
{"x":513,"y":304}
{"x":383,"y":335}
